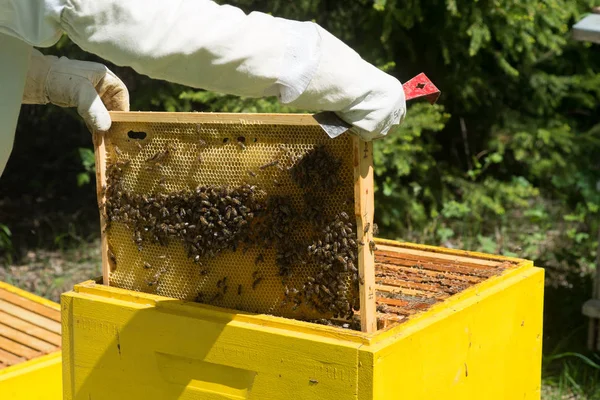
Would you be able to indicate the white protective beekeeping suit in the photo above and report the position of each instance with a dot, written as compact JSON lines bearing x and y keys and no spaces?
{"x":192,"y":42}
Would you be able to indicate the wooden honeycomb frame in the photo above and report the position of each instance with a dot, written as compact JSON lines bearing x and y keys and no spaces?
{"x":362,"y":165}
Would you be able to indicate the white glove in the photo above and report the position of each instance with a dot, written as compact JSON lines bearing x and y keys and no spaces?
{"x":91,"y":87}
{"x":358,"y":92}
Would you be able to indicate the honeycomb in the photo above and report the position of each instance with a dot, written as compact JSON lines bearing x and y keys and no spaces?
{"x":222,"y":155}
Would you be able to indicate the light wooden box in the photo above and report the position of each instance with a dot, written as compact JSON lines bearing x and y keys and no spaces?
{"x":30,"y":355}
{"x":481,"y":339}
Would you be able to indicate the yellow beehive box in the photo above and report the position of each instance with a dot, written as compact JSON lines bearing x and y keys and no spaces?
{"x":30,"y":356}
{"x":482,"y":342}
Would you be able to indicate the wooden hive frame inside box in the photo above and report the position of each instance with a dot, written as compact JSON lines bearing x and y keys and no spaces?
{"x":30,"y":346}
{"x":480,"y":338}
{"x":211,"y":127}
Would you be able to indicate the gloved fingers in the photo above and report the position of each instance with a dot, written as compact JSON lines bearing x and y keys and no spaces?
{"x":91,"y":108}
{"x":113,"y":92}
{"x":366,"y":135}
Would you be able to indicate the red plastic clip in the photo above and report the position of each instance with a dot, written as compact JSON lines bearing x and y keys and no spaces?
{"x":421,"y":86}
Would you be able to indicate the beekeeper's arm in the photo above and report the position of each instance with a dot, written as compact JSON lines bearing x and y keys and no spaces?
{"x":201,"y":44}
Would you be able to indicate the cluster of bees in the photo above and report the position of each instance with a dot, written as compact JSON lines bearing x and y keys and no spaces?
{"x":333,"y":289}
{"x":317,"y":170}
{"x":209,"y":220}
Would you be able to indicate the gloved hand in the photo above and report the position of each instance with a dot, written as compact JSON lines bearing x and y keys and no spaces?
{"x":91,"y":87}
{"x":359,"y":93}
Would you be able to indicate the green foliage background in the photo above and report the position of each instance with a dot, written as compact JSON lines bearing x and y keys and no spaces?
{"x":506,"y":163}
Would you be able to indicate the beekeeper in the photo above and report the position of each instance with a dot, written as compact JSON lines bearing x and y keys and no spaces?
{"x":191,"y":42}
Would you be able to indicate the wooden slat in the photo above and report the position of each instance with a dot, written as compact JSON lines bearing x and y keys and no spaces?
{"x":217,"y":118}
{"x":420,"y":286}
{"x":442,"y":285}
{"x":30,"y":329}
{"x":100,"y":156}
{"x":411,"y":305}
{"x":30,"y":305}
{"x":364,"y":209}
{"x":420,"y":255}
{"x":26,"y":339}
{"x":411,"y":292}
{"x":29,"y":316}
{"x":425,"y":271}
{"x":18,"y":349}
{"x":443,"y":267}
{"x":392,"y":302}
{"x":10,"y":359}
{"x":441,"y":279}
{"x":390,"y":318}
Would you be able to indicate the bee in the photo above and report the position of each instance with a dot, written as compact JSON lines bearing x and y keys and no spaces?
{"x":313,"y":381}
{"x":361,"y":279}
{"x":256,"y":282}
{"x":201,"y":142}
{"x":252,"y":173}
{"x":241,"y":145}
{"x":259,"y":258}
{"x":367,"y":227}
{"x":147,"y":266}
{"x":269,"y":164}
{"x":203,"y":272}
{"x":352,"y":267}
{"x":199,"y":158}
{"x":157,"y":277}
{"x":162,"y":183}
{"x":123,"y":163}
{"x":118,"y":151}
{"x":217,"y":296}
{"x":161,"y":155}
{"x":276,"y":183}
{"x":340,"y":259}
{"x":112,"y":256}
{"x":372,"y":246}
{"x":345,"y":215}
{"x":375,"y":229}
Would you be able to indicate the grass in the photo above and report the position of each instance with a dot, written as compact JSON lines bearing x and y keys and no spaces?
{"x":48,"y":273}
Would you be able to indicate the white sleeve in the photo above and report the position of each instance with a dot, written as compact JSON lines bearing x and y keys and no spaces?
{"x":32,"y":21}
{"x":198,"y":43}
